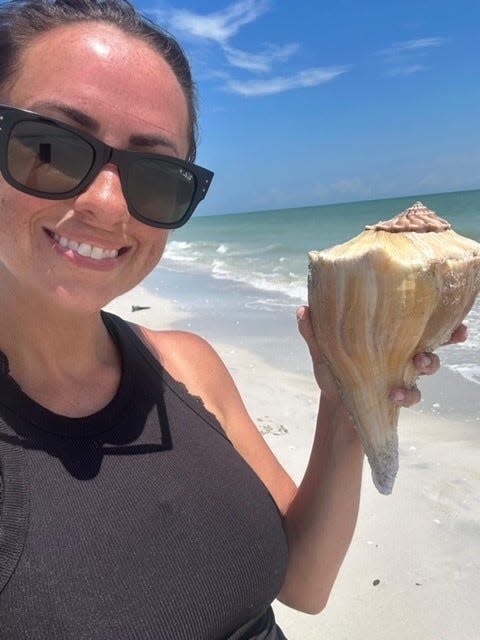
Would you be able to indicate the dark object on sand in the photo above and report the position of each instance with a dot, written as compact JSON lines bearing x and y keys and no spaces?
{"x":136,"y":307}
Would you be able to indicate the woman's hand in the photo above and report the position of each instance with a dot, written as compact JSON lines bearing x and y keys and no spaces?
{"x":323,"y":375}
{"x":425,"y":363}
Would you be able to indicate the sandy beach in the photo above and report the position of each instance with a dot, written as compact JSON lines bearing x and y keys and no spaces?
{"x":413,"y":569}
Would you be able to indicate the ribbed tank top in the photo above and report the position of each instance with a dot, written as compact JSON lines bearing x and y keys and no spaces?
{"x":139,"y":522}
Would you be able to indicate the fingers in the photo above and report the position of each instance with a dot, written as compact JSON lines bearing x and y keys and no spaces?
{"x":306,"y":331}
{"x":459,"y":335}
{"x":322,"y":372}
{"x":304,"y":323}
{"x":426,"y":363}
{"x":406,"y":397}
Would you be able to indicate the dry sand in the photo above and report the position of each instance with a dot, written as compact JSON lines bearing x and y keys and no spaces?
{"x":413,"y":569}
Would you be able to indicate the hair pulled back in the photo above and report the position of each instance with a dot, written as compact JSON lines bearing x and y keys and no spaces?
{"x":22,"y":20}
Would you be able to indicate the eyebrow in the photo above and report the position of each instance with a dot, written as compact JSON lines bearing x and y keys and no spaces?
{"x":147,"y":140}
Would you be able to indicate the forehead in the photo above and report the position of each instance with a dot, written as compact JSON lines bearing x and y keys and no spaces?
{"x":112,"y":76}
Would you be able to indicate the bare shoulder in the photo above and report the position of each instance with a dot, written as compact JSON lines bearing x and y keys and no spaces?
{"x":194,"y":362}
{"x":191,"y":360}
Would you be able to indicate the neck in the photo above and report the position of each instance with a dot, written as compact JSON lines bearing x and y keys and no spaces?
{"x":51,"y":343}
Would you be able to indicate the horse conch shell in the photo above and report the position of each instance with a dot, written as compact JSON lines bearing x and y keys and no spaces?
{"x":399,"y":288}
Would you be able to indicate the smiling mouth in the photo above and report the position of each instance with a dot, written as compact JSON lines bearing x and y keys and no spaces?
{"x":84,"y":249}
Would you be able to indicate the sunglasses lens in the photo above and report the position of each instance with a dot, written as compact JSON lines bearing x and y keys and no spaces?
{"x":160,"y":191}
{"x":46,"y":158}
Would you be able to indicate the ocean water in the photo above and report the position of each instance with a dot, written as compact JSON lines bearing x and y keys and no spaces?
{"x":266,"y":252}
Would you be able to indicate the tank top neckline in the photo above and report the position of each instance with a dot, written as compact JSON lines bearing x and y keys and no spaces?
{"x":12,"y":396}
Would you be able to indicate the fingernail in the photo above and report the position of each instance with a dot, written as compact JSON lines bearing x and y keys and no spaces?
{"x":425,"y":361}
{"x":398,"y":395}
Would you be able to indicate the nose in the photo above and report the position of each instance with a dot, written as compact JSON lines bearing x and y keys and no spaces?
{"x":104,"y":199}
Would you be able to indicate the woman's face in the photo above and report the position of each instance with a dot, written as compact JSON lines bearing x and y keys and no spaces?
{"x":96,"y":78}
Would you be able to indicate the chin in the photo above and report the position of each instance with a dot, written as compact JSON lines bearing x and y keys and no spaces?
{"x":81,"y":302}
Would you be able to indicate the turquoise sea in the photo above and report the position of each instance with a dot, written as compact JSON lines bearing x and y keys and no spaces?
{"x":263,"y":255}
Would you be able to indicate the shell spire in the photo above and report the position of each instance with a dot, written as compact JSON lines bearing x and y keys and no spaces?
{"x":418,"y":218}
{"x":398,"y":288}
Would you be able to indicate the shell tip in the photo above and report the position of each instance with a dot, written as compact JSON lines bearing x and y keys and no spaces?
{"x":385,"y":467}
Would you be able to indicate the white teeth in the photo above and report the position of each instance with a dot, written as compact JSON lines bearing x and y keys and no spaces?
{"x":97,"y":253}
{"x":85,"y":249}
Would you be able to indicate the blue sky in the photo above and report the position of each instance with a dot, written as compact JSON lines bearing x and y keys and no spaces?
{"x":306,"y":102}
{"x":315,"y":101}
{"x":310,"y":101}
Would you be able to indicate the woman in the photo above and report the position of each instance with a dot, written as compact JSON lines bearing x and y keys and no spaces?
{"x":137,"y":492}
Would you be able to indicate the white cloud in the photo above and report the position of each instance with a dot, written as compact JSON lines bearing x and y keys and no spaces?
{"x":279,"y":84}
{"x":414,"y":45}
{"x":219,"y":26}
{"x":260,"y":62}
{"x":457,"y":169}
{"x":407,"y":70}
{"x":406,"y":58}
{"x":351,"y":186}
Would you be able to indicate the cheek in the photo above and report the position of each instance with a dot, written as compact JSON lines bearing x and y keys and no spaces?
{"x":5,"y":200}
{"x":10,"y":217}
{"x":150,"y":247}
{"x":15,"y":241}
{"x":14,"y":205}
{"x":155,"y":241}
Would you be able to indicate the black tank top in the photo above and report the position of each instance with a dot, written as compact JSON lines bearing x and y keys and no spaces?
{"x":139,"y":522}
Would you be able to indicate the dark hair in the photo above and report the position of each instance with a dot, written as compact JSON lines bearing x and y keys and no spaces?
{"x":22,"y":20}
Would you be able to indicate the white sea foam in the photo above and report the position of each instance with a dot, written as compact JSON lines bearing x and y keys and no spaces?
{"x":271,"y":304}
{"x":469,"y":371}
{"x":260,"y":268}
{"x":180,"y":251}
{"x":473,"y":322}
{"x":272,"y":282}
{"x":179,"y":245}
{"x":220,"y":271}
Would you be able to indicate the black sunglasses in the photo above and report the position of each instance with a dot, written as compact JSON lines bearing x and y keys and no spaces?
{"x":49,"y":159}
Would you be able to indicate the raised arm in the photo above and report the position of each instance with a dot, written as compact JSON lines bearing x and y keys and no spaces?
{"x":321,"y":519}
{"x":320,"y":514}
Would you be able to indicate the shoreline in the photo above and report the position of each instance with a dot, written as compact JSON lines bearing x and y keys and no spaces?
{"x":227,"y":312}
